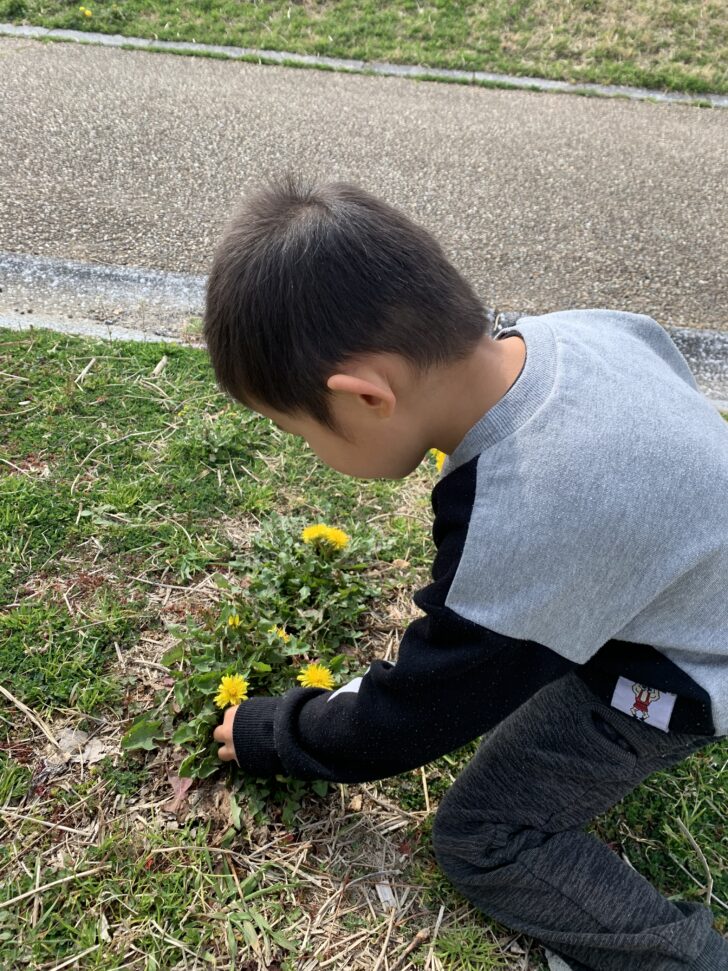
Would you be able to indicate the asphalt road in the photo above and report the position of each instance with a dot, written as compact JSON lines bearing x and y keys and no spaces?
{"x":543,"y":201}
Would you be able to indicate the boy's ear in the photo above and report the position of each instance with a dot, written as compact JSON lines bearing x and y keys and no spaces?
{"x":375,"y":392}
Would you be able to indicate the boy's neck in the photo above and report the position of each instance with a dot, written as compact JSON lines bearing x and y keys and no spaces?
{"x":463,"y":392}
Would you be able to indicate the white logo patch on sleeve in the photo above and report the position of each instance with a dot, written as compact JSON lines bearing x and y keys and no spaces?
{"x":352,"y":686}
{"x":643,"y":703}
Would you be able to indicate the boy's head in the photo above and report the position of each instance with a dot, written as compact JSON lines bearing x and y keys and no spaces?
{"x":319,"y":297}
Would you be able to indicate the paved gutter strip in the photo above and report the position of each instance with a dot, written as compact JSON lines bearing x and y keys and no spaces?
{"x":116,"y":282}
{"x":163,"y":302}
{"x":133,"y":297}
{"x":370,"y":67}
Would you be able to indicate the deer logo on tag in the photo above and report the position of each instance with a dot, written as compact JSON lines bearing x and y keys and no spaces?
{"x":642,"y":701}
{"x":648,"y":705}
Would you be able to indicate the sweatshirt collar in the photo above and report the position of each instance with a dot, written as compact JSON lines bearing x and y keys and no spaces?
{"x":522,"y":400}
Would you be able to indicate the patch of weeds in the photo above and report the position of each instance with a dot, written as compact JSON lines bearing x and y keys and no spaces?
{"x":353,"y":922}
{"x":160,"y":872}
{"x":469,"y":948}
{"x":15,"y":9}
{"x":125,"y":778}
{"x":57,"y":658}
{"x":231,"y":434}
{"x":316,"y":591}
{"x":36,"y":519}
{"x":437,"y":890}
{"x":14,"y":778}
{"x":272,"y":799}
{"x":298,"y":602}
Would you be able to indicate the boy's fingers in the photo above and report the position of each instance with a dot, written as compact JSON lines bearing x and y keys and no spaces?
{"x":223,"y":733}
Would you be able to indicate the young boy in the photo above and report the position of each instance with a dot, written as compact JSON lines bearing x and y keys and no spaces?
{"x":578,"y":611}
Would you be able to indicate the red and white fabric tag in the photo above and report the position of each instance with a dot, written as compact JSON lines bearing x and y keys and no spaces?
{"x":643,"y":703}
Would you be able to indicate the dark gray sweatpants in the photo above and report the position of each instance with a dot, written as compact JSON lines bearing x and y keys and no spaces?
{"x":508,"y":835}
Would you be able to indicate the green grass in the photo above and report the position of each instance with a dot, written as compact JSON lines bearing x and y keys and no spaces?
{"x":145,"y":883}
{"x":673,"y":45}
{"x":124,"y":474}
{"x":81,"y":493}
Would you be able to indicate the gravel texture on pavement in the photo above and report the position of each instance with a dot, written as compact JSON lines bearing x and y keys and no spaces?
{"x":543,"y":201}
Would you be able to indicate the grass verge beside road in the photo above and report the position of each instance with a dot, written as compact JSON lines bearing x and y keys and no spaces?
{"x":671,"y":45}
{"x":126,"y":483}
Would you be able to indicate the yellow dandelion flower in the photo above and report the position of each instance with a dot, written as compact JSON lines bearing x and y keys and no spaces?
{"x":337,"y":538}
{"x":234,"y":620}
{"x":316,"y":676}
{"x":280,"y":632}
{"x":87,"y":13}
{"x":311,"y":533}
{"x":232,"y":690}
{"x":328,"y":534}
{"x":439,"y":458}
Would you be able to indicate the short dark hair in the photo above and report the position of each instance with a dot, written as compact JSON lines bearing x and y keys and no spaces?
{"x":306,"y":277}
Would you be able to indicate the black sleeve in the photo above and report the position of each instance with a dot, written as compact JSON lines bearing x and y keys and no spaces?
{"x":453,"y":681}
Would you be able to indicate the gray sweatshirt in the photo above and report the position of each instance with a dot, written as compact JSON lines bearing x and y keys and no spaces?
{"x":581,"y":524}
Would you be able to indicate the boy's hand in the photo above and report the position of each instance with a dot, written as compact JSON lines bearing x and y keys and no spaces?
{"x":224,"y":733}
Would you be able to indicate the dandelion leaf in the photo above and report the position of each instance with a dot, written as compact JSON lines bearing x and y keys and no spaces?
{"x":173,"y":655}
{"x":142,"y":734}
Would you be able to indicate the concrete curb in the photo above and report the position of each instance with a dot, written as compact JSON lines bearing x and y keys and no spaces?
{"x":82,"y":327}
{"x":135,"y":299}
{"x":164,"y":297}
{"x":415,"y":72}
